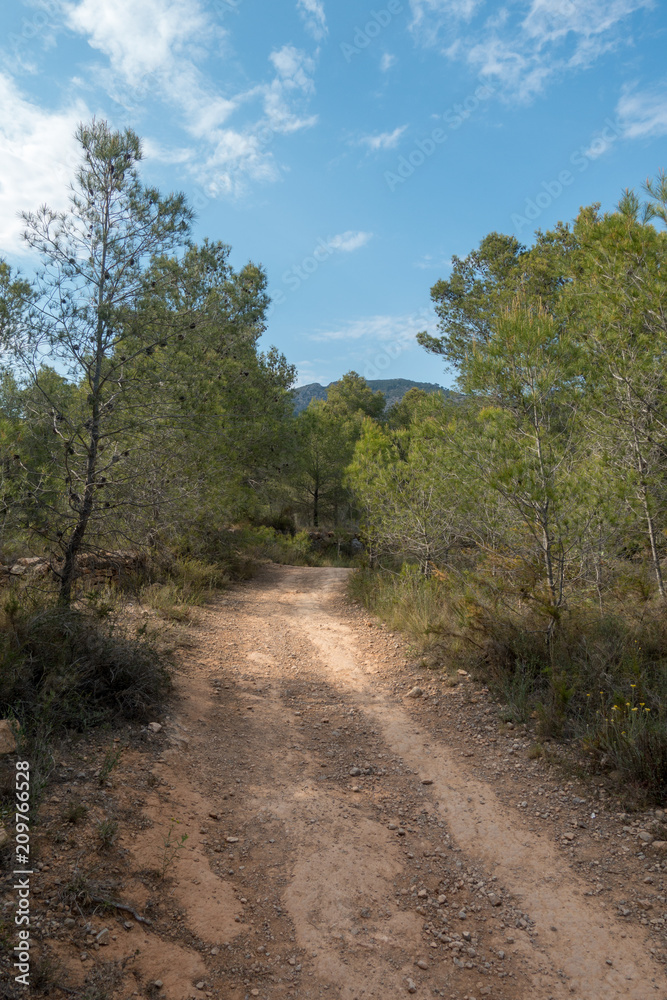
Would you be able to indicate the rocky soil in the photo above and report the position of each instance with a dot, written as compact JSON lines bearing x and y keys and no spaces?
{"x":320,"y":817}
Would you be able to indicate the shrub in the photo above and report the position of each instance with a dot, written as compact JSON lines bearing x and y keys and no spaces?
{"x":72,"y":667}
{"x":568,"y":677}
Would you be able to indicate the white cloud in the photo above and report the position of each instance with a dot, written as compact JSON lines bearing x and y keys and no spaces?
{"x":643,"y":113}
{"x":522,"y":49}
{"x":156,"y":52}
{"x":380,"y":329}
{"x":39,"y":156}
{"x":383,"y":140}
{"x":141,"y":38}
{"x":293,"y":80}
{"x":349,"y":240}
{"x":312,"y":12}
{"x":388,"y":60}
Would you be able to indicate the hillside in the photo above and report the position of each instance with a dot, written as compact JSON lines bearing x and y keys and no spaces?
{"x":393,"y":388}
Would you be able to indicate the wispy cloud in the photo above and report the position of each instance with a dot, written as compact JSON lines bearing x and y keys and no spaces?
{"x":157,"y":52}
{"x":348,"y":241}
{"x":142,"y":38}
{"x":378,"y":329}
{"x":383,"y":140}
{"x":643,"y":113}
{"x":523,"y":49}
{"x":388,"y":60}
{"x":38,"y":153}
{"x":312,"y":12}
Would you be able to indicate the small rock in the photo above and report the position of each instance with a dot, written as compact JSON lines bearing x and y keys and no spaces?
{"x":4,"y":837}
{"x":501,"y":955}
{"x":70,"y":922}
{"x":103,"y":937}
{"x":494,"y":900}
{"x":401,"y":831}
{"x":214,"y":815}
{"x":154,"y":727}
{"x":215,"y":951}
{"x":568,"y":836}
{"x":462,"y":915}
{"x":200,"y":986}
{"x":442,"y":900}
{"x":158,"y":984}
{"x":415,"y":692}
{"x":355,"y":772}
{"x":254,"y":993}
{"x":411,"y":988}
{"x":392,"y":826}
{"x":355,"y":788}
{"x":421,"y":963}
{"x":292,"y":961}
{"x":659,"y":845}
{"x":422,"y":894}
{"x":84,"y":956}
{"x":232,"y":840}
{"x":646,"y":837}
{"x":427,"y":781}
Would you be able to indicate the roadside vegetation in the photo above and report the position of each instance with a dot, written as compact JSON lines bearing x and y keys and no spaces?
{"x":150,"y":453}
{"x":519,"y":531}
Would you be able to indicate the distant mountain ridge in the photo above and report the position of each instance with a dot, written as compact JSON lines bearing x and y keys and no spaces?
{"x":393,"y":388}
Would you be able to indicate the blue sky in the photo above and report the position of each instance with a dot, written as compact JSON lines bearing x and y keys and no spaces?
{"x":351,"y":150}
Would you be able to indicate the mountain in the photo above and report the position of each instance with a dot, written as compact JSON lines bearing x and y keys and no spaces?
{"x":393,"y":388}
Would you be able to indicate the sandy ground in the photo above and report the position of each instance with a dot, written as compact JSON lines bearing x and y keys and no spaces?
{"x":348,"y":840}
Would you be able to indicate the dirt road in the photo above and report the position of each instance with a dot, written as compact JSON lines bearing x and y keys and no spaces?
{"x":348,"y":840}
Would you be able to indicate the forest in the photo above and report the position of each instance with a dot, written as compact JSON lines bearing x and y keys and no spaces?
{"x":516,"y":526}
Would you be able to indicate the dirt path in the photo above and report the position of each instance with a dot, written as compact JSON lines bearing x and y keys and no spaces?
{"x":348,"y":841}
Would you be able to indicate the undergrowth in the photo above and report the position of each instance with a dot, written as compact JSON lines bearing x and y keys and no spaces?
{"x":597,"y":678}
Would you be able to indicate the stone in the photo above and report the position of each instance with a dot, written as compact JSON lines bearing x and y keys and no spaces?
{"x":494,"y":899}
{"x":154,"y":727}
{"x":8,"y":729}
{"x":158,"y":984}
{"x":421,"y":963}
{"x":355,"y":772}
{"x":200,"y":986}
{"x":415,"y":692}
{"x":69,"y":922}
{"x":645,"y":837}
{"x":410,"y":986}
{"x":103,"y":937}
{"x":4,"y":837}
{"x":462,"y":915}
{"x":659,"y":845}
{"x":422,"y":894}
{"x":427,"y":781}
{"x":232,"y":840}
{"x":215,"y":951}
{"x":442,"y":900}
{"x":568,"y":836}
{"x":355,"y":788}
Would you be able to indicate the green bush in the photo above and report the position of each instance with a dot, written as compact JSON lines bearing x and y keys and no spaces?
{"x":73,"y":667}
{"x":568,"y":677}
